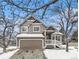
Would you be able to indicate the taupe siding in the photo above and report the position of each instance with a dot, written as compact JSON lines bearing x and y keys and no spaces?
{"x":25,"y":24}
{"x":30,"y":29}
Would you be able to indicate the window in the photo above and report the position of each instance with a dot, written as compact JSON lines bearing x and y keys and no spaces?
{"x":25,"y":29}
{"x":53,"y":38}
{"x":36,"y":29}
{"x":58,"y":38}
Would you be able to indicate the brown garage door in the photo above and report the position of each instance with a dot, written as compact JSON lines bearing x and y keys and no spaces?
{"x":31,"y":44}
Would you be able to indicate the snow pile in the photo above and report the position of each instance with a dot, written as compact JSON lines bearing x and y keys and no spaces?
{"x":12,"y":47}
{"x":1,"y":50}
{"x":8,"y":54}
{"x":60,"y":54}
{"x":8,"y":48}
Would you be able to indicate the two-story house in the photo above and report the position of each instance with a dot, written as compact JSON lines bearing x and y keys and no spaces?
{"x":33,"y":34}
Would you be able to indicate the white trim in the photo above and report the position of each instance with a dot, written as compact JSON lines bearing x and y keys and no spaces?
{"x":37,"y":23}
{"x":36,"y":26}
{"x":33,"y":39}
{"x":19,"y":44}
{"x":30,"y":35}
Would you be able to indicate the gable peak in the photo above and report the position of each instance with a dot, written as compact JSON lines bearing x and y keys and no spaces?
{"x":31,"y":18}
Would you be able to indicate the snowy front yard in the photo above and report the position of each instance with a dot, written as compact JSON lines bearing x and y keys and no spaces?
{"x":49,"y":53}
{"x":11,"y":50}
{"x":7,"y":55}
{"x":60,"y":54}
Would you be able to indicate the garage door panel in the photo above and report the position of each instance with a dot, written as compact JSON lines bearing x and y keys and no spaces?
{"x":31,"y":44}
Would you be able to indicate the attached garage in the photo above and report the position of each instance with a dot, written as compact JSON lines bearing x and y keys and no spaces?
{"x":30,"y":41}
{"x":31,"y":44}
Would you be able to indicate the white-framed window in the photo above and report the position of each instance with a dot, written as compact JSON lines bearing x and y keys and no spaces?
{"x":24,"y":29}
{"x":36,"y":28}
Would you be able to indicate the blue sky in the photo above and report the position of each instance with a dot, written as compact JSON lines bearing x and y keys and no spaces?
{"x":32,"y":5}
{"x":48,"y":15}
{"x":50,"y":18}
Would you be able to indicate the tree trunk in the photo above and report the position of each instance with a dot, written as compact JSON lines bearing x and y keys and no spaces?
{"x":4,"y":49}
{"x":67,"y":50}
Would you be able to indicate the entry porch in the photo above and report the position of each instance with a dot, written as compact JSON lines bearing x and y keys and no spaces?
{"x":55,"y":38}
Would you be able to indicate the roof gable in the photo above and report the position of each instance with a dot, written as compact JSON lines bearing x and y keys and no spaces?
{"x":28,"y":18}
{"x":32,"y":18}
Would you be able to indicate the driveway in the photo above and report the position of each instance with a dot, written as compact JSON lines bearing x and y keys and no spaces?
{"x":29,"y":54}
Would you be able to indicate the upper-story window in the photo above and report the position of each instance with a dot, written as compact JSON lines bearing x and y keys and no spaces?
{"x":24,"y":29}
{"x":36,"y":28}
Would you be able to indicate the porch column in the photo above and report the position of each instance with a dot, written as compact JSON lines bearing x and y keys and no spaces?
{"x":45,"y":37}
{"x":54,"y":41}
{"x":45,"y":34}
{"x":61,"y":39}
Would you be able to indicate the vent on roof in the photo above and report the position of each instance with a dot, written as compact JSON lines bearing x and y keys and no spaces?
{"x":31,"y":18}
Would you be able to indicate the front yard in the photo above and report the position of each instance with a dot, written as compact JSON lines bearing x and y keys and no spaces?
{"x":61,"y":54}
{"x":49,"y":53}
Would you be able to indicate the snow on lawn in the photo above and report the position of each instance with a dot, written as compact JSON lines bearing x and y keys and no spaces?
{"x":61,"y":54}
{"x":49,"y":53}
{"x":7,"y":55}
{"x":8,"y":48}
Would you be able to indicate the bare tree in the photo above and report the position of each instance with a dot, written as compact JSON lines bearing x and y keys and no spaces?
{"x":68,"y":19}
{"x":36,"y":3}
{"x":6,"y":29}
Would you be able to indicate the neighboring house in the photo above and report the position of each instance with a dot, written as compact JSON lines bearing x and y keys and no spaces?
{"x":33,"y":34}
